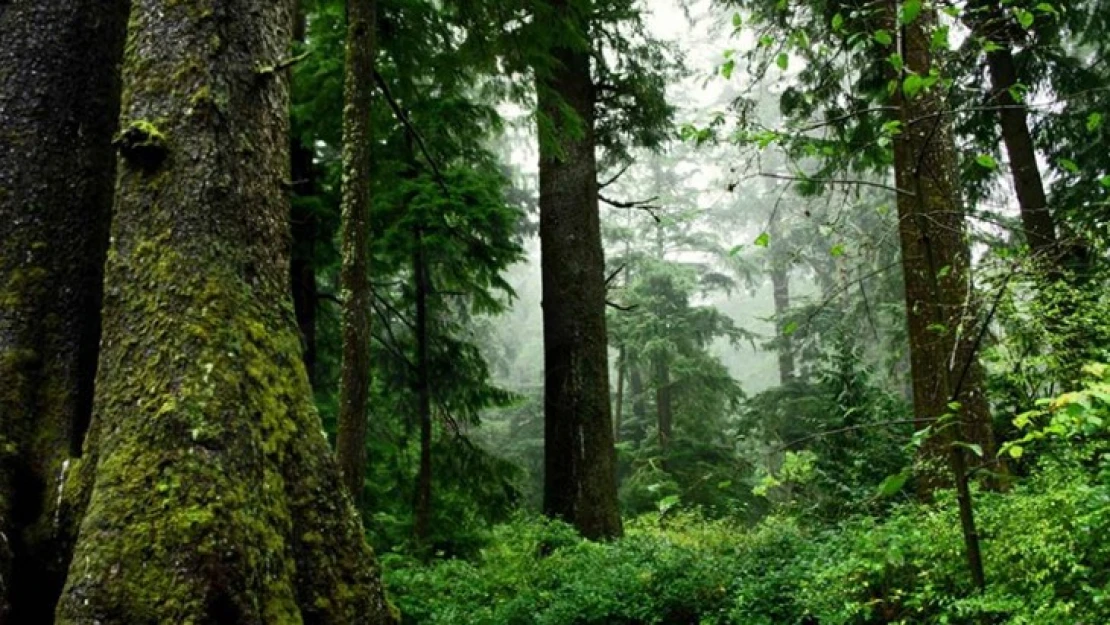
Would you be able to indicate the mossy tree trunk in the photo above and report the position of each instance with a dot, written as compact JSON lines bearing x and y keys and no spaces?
{"x":59,"y":102}
{"x":936,"y":261}
{"x":354,"y":274}
{"x":780,"y":285}
{"x":213,"y":497}
{"x":579,"y":456}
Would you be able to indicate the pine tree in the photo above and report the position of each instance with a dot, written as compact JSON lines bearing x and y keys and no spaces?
{"x":211,"y":495}
{"x":59,"y":100}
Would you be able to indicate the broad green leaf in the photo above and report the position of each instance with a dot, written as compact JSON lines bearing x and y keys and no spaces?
{"x":790,"y":328}
{"x":892,"y":484}
{"x":883,"y":37}
{"x":737,"y":21}
{"x":782,"y":60}
{"x":910,"y":10}
{"x":912,"y":85}
{"x":837,"y":22}
{"x":763,"y":240}
{"x":1069,"y":165}
{"x":837,"y":250}
{"x":1025,"y":18}
{"x":1094,"y":122}
{"x":986,"y":161}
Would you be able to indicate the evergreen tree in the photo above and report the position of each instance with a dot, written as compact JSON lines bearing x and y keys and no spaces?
{"x":211,"y":495}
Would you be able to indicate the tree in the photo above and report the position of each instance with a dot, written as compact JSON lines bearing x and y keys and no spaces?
{"x":579,"y":459}
{"x":59,"y":101}
{"x":211,"y":495}
{"x":354,"y":277}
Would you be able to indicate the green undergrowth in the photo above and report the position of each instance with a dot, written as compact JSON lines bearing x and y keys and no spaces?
{"x":1046,"y":557}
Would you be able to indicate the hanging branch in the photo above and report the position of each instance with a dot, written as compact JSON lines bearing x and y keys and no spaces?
{"x":644,"y":205}
{"x":411,"y":129}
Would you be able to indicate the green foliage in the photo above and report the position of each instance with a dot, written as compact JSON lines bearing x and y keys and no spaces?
{"x":1046,"y":561}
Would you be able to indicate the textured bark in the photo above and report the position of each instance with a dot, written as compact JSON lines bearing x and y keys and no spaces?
{"x":423,"y":508}
{"x":579,"y":457}
{"x":214,"y":497}
{"x":306,"y":293}
{"x":936,"y":264}
{"x":636,"y":389}
{"x":59,"y":102}
{"x":354,"y":277}
{"x":936,"y":260}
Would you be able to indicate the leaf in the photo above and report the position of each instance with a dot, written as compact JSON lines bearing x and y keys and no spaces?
{"x":667,"y":503}
{"x":883,"y":37}
{"x":1025,"y":18}
{"x":727,"y":68}
{"x":1105,"y":181}
{"x":736,"y":250}
{"x":837,"y":22}
{"x":892,"y":484}
{"x":790,"y":328}
{"x":1094,"y":122}
{"x":837,"y":250}
{"x":1016,"y":451}
{"x":974,"y":448}
{"x":910,"y":10}
{"x":1069,"y":165}
{"x":782,"y":60}
{"x":986,"y":161}
{"x":912,"y":85}
{"x":763,"y":240}
{"x":737,"y":21}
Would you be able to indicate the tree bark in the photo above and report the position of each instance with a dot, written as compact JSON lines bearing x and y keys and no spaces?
{"x":214,"y":497}
{"x":579,"y":457}
{"x":936,"y":260}
{"x":989,"y":21}
{"x":59,"y":104}
{"x":936,"y":263}
{"x":424,"y":396}
{"x":636,"y":389}
{"x":618,"y":412}
{"x":354,"y":274}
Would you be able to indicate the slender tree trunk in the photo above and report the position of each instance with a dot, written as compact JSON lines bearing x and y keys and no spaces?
{"x":990,"y":22}
{"x":663,"y":405}
{"x":619,"y":410}
{"x":214,"y":498}
{"x":636,"y":388}
{"x":936,"y":265}
{"x":579,"y":457}
{"x":59,"y":104}
{"x":780,"y":283}
{"x":354,"y":274}
{"x":303,"y":219}
{"x":424,"y":395}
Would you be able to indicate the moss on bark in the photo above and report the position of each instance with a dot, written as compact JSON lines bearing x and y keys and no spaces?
{"x":212,"y":496}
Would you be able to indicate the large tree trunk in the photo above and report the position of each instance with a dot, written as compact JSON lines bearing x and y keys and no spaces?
{"x":59,"y":104}
{"x":936,"y":262}
{"x":579,"y":458}
{"x":636,"y":389}
{"x":354,"y":274}
{"x":214,"y":498}
{"x":990,"y":22}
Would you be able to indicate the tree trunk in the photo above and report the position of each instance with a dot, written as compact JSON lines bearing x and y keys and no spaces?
{"x":59,"y":105}
{"x":936,"y":260}
{"x":619,"y":410}
{"x":663,"y":405}
{"x":354,"y":274}
{"x":990,"y":22}
{"x":214,"y":498}
{"x":636,"y":388}
{"x":306,"y":293}
{"x":936,"y":265}
{"x":424,"y":396}
{"x":780,"y":283}
{"x":579,"y":458}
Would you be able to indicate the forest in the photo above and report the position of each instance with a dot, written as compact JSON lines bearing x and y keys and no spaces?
{"x":554,"y":312}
